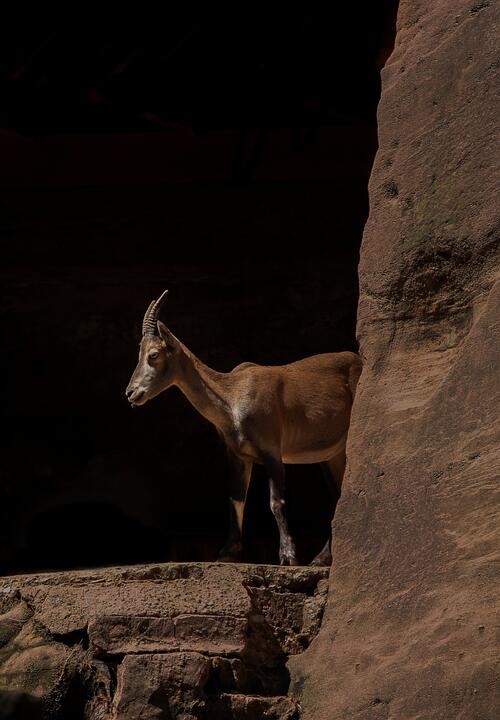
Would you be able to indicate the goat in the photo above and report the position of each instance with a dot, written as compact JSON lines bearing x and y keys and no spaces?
{"x":270,"y":415}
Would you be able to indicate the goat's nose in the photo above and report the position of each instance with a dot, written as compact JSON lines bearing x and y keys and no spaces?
{"x":129,"y":391}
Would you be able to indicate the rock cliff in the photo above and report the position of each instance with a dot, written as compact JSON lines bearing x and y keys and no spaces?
{"x":411,"y":628}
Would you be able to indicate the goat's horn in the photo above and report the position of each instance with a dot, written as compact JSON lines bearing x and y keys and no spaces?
{"x":151,"y":316}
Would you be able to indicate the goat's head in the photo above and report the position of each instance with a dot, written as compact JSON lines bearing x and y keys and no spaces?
{"x":158,"y":352}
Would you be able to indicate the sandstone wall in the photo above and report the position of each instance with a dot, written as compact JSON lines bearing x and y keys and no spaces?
{"x":411,"y":627}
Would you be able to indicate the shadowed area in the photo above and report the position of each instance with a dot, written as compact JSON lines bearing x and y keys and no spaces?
{"x":226,"y":161}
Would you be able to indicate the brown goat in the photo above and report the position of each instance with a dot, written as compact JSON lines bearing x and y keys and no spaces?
{"x":296,"y":413}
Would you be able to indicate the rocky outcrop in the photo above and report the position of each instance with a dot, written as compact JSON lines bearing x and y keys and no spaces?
{"x":158,"y":641}
{"x":411,"y":628}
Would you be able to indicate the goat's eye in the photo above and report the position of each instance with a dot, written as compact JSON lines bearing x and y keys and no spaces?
{"x":153,"y":355}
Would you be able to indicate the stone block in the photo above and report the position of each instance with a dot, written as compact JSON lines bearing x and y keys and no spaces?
{"x":161,"y":685}
{"x":211,"y":633}
{"x":123,"y":634}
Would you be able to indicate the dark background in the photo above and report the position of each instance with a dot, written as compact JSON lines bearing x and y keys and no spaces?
{"x":224,"y":157}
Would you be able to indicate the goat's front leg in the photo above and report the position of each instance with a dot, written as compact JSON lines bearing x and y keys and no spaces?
{"x":240,"y":480}
{"x":287,"y":553}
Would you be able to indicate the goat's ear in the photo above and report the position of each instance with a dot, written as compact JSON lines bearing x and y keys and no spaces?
{"x":168,"y":338}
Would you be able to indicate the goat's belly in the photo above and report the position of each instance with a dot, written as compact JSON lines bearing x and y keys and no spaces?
{"x":307,"y":457}
{"x":298,"y":456}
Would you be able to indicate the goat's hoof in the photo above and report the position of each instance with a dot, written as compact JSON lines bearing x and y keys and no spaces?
{"x":288,"y":560}
{"x":229,"y":555}
{"x":321,"y":561}
{"x":229,"y":558}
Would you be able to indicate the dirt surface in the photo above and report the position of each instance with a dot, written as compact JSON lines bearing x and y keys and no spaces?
{"x":411,"y":627}
{"x":176,"y":640}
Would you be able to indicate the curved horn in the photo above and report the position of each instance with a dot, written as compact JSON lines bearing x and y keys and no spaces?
{"x":151,"y":316}
{"x":146,"y":315}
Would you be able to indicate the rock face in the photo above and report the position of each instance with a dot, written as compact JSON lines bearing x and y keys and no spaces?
{"x":159,"y":641}
{"x":411,"y":627}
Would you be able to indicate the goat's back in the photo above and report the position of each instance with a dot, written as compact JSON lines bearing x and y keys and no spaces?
{"x":302,"y":409}
{"x":314,"y":381}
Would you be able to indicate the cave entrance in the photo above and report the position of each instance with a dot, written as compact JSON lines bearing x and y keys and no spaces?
{"x":227,"y":161}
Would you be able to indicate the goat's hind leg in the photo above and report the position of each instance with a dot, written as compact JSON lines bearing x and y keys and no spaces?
{"x":240,"y":480}
{"x":324,"y":557}
{"x":332,"y":473}
{"x":274,"y":467}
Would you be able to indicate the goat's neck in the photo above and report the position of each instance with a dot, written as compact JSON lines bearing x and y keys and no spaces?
{"x":205,"y":389}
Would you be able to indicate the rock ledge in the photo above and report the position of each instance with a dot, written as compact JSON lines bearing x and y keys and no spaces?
{"x":183,"y":640}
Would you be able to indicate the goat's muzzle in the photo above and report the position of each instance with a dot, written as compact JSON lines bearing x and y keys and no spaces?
{"x":134,"y":395}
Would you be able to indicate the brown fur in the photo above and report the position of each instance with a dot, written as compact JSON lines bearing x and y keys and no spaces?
{"x":296,"y":413}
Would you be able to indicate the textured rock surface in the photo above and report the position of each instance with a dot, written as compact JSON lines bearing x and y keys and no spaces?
{"x":411,"y":627}
{"x":174,"y":640}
